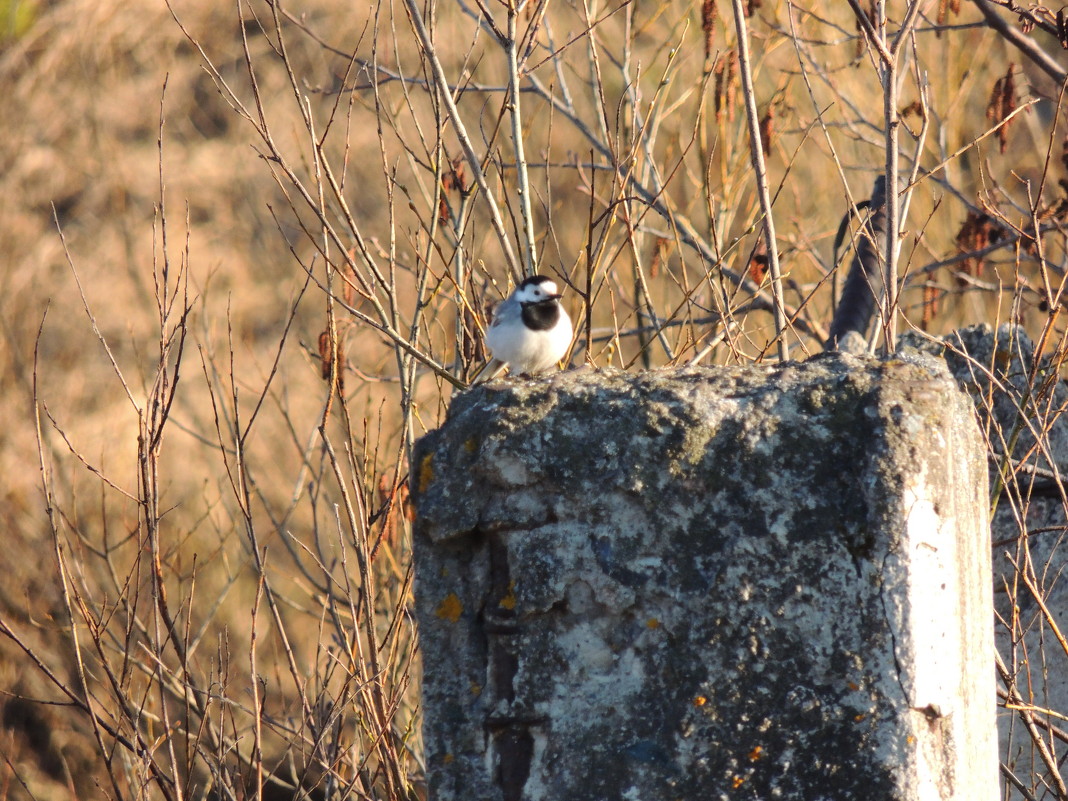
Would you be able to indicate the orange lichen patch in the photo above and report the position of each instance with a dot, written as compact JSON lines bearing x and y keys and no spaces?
{"x":508,"y":601}
{"x":756,"y":753}
{"x":852,"y":685}
{"x":448,"y":758}
{"x":426,"y":472}
{"x":910,"y":739}
{"x":859,"y":718}
{"x":737,"y":782}
{"x":471,"y":445}
{"x":450,"y":609}
{"x":652,"y":623}
{"x":699,"y":700}
{"x":476,"y":688}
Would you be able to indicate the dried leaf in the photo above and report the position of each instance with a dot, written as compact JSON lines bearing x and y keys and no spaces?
{"x":348,"y":279}
{"x":1029,"y":245}
{"x":454,"y":180}
{"x":915,"y":108}
{"x":326,"y":361}
{"x":709,"y":12}
{"x":758,"y":262}
{"x":767,"y":130}
{"x":661,"y":250}
{"x":459,"y":176}
{"x":475,"y":318}
{"x":1060,"y":209}
{"x":473,"y":347}
{"x":726,"y":84}
{"x":862,"y":33}
{"x":945,"y":8}
{"x":395,"y":501}
{"x":1003,"y":100}
{"x":931,"y":298}
{"x":978,"y":232}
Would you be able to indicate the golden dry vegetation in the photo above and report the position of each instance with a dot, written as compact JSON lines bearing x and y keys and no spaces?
{"x":207,"y":544}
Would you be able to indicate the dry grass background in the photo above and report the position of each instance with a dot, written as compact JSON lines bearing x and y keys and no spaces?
{"x":237,"y":517}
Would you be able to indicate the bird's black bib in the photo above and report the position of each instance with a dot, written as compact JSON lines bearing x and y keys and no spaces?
{"x":541,"y":316}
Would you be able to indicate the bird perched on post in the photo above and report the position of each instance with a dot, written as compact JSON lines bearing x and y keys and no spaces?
{"x":530,"y":331}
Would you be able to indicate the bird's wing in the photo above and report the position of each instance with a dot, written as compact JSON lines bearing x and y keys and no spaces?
{"x":507,"y":309}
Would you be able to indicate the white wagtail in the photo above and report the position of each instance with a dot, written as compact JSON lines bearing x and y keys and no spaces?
{"x":530,"y":331}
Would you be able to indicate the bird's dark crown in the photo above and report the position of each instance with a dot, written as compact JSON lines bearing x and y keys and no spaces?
{"x":534,"y":279}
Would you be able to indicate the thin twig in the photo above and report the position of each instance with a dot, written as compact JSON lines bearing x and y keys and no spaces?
{"x":757,"y":156}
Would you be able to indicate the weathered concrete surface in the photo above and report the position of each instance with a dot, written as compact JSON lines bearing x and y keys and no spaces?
{"x":727,"y":583}
{"x":1021,"y":407}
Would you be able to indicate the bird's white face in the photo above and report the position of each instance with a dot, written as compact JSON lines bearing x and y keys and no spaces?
{"x":536,"y":292}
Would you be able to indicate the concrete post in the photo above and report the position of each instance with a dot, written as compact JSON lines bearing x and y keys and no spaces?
{"x":734,"y":583}
{"x":1021,"y":403}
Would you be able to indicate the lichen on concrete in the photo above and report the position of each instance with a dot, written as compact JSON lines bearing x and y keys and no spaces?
{"x":697,"y":583}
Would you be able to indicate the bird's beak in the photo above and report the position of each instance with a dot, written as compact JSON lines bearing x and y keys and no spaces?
{"x":555,"y":297}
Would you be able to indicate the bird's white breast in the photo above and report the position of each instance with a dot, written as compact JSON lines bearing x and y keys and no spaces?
{"x":528,"y":351}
